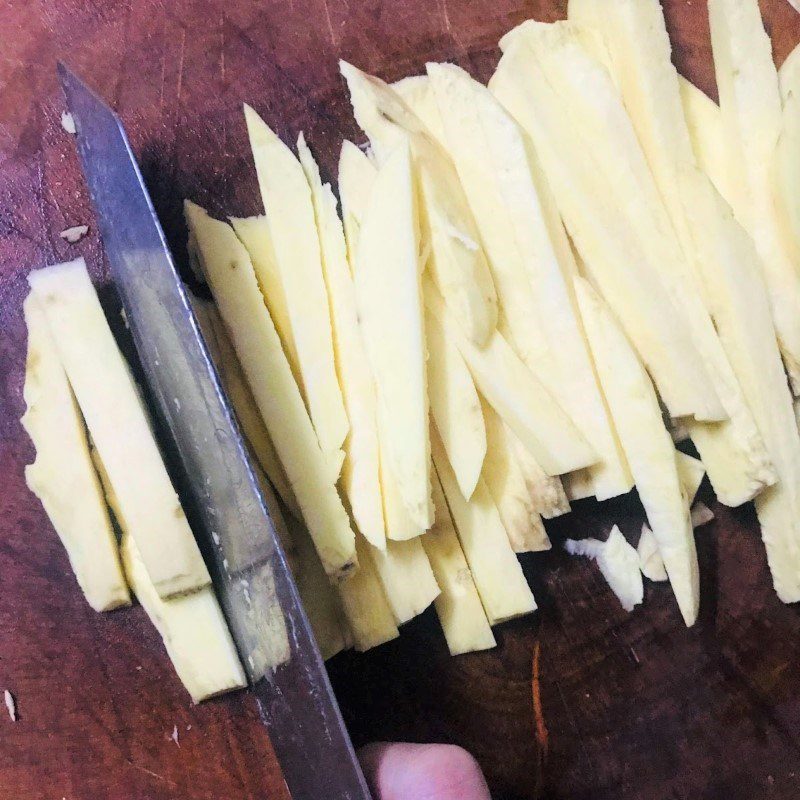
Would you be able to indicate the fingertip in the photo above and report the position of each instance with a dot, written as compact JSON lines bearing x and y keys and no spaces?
{"x":422,"y":772}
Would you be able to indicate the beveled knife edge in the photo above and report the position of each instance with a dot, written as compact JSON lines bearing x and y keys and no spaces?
{"x":251,"y":576}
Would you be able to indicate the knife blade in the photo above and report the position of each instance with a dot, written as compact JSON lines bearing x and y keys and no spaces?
{"x":235,"y":526}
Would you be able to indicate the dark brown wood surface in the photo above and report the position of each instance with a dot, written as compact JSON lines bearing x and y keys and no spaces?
{"x":636,"y":705}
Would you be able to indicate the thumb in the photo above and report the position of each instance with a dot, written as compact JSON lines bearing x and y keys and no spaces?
{"x":422,"y":772}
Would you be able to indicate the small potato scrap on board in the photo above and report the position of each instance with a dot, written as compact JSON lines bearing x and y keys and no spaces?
{"x":618,"y":562}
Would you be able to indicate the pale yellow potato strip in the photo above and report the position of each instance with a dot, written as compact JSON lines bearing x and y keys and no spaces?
{"x":708,"y":134}
{"x":786,"y":177}
{"x":233,"y":283}
{"x":366,"y":608}
{"x":290,"y":215}
{"x":517,"y":396}
{"x":241,"y":397}
{"x":388,"y":297}
{"x":606,"y":243}
{"x":360,"y":477}
{"x":498,"y":576}
{"x":407,"y":578}
{"x":458,"y":607}
{"x":417,"y":94}
{"x":255,"y":236}
{"x":455,"y":406}
{"x":789,"y":74}
{"x":741,"y":311}
{"x":457,"y":261}
{"x":356,"y":176}
{"x":506,"y":483}
{"x":193,"y":629}
{"x":321,"y":600}
{"x":119,"y":427}
{"x":62,"y":476}
{"x":734,"y":452}
{"x":691,"y":472}
{"x":547,"y":491}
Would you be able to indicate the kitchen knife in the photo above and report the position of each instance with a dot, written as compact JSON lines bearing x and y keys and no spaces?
{"x":235,"y":528}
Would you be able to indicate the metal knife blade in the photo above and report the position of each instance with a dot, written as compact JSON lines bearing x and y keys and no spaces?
{"x":253,"y":582}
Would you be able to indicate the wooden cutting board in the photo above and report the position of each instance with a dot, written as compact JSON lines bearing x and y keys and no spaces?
{"x":636,"y":706}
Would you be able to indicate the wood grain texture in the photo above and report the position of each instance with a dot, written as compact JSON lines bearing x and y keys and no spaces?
{"x":636,"y":705}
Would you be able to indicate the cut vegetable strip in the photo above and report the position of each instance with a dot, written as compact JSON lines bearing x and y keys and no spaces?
{"x":455,"y":406}
{"x":321,"y":602}
{"x":517,"y":396}
{"x":388,"y":296}
{"x":789,"y":74}
{"x":119,"y":427}
{"x":497,"y":574}
{"x":740,"y":307}
{"x":241,"y":304}
{"x":549,"y":498}
{"x":733,"y":452}
{"x":194,"y":631}
{"x":648,"y":82}
{"x":786,"y":175}
{"x":242,"y":400}
{"x":751,"y":110}
{"x":577,"y":485}
{"x":365,"y":605}
{"x":648,"y":446}
{"x":360,"y":471}
{"x":506,"y":483}
{"x":458,"y":607}
{"x":62,"y":476}
{"x":416,"y":93}
{"x":458,"y":263}
{"x":285,"y":535}
{"x":400,"y":526}
{"x":691,"y":472}
{"x":406,"y":576}
{"x":292,"y":229}
{"x":356,"y":176}
{"x":606,"y":244}
{"x":708,"y":134}
{"x":494,"y":165}
{"x":255,"y":236}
